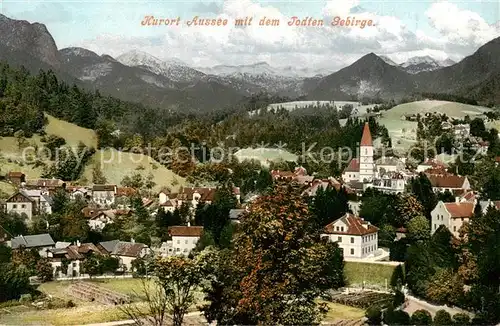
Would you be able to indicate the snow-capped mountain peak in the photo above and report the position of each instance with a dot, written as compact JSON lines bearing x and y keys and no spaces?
{"x":171,"y":68}
{"x":415,"y":65}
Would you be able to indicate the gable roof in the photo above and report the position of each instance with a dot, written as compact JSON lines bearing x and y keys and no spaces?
{"x":355,"y":226}
{"x":353,"y":166}
{"x":103,"y":187}
{"x":21,"y":193}
{"x":44,"y":183}
{"x":15,"y":174}
{"x":32,"y":241}
{"x":206,"y":193}
{"x":125,"y":191}
{"x":128,"y":249}
{"x":458,"y":210}
{"x":185,"y":231}
{"x":366,"y":139}
{"x":446,"y":181}
{"x":109,"y":246}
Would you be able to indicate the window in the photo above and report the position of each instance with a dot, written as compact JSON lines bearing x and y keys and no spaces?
{"x":435,"y":227}
{"x":24,"y":206}
{"x":195,"y":240}
{"x":14,"y":206}
{"x":185,"y":250}
{"x":340,"y":239}
{"x":454,"y":228}
{"x":178,"y":241}
{"x":338,"y":228}
{"x":352,"y":251}
{"x":366,"y":151}
{"x":352,"y":240}
{"x":186,"y":242}
{"x":177,"y":249}
{"x":342,"y":229}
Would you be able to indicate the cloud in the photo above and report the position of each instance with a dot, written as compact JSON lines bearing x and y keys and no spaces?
{"x":211,"y":7}
{"x":460,"y":28}
{"x":328,"y":47}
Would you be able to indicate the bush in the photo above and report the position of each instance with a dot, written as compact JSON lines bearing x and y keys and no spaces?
{"x":442,"y":318}
{"x":396,"y":317}
{"x":374,"y":315}
{"x":25,"y":298}
{"x":70,"y":304}
{"x":461,"y":319}
{"x":421,"y":317}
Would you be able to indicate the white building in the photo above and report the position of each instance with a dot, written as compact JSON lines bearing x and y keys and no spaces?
{"x":364,"y":169}
{"x":66,"y":259}
{"x":356,"y":237}
{"x":30,"y":203}
{"x":451,"y":215}
{"x":104,"y":195}
{"x":184,"y":239}
{"x":366,"y":165}
{"x":462,"y":131}
{"x":190,"y":195}
{"x":392,"y":182}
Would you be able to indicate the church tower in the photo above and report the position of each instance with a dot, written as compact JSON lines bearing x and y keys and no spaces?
{"x":366,"y":166}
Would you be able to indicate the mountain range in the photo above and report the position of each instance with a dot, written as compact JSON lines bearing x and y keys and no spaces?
{"x":139,"y":76}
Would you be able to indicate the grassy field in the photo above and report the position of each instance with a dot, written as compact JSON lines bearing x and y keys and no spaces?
{"x":338,"y":311}
{"x":403,"y":133}
{"x":116,"y":165}
{"x":264,"y":155}
{"x":372,"y":274}
{"x":6,"y":189}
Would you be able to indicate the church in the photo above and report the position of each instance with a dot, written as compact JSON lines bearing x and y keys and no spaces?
{"x":387,"y":174}
{"x":362,"y":169}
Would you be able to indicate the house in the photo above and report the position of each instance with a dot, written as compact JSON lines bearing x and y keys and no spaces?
{"x":46,"y":185}
{"x":299,"y":175}
{"x":20,"y":203}
{"x":431,"y":164}
{"x":392,"y":182}
{"x":41,"y":242}
{"x":356,"y":237}
{"x":362,"y":169}
{"x":451,"y":215}
{"x":190,"y":195}
{"x":101,"y":218}
{"x":317,"y":184}
{"x":4,"y":235}
{"x":235,"y":214}
{"x":30,"y":203}
{"x":126,"y":252}
{"x":103,"y":195}
{"x":401,"y":233}
{"x":184,"y":239}
{"x":16,"y":178}
{"x":66,"y":260}
{"x":387,"y":164}
{"x":452,"y":183}
{"x":462,"y":130}
{"x":79,"y":192}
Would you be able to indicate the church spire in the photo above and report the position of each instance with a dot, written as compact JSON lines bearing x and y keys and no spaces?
{"x":366,"y":139}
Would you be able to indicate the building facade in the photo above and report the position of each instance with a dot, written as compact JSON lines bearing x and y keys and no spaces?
{"x":356,"y":237}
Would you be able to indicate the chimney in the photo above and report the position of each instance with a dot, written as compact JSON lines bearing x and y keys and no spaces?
{"x":78,"y":243}
{"x":457,"y":200}
{"x":132,"y":240}
{"x":189,"y":224}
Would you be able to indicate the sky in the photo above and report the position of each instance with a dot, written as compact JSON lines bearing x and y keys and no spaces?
{"x":403,"y":29}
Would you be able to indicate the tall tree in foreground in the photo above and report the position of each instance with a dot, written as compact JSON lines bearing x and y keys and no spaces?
{"x":277,"y":268}
{"x":170,"y":293}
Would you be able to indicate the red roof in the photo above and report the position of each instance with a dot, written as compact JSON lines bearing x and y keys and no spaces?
{"x":366,"y":139}
{"x":446,"y":181}
{"x":353,"y":166}
{"x":355,"y":226}
{"x":185,"y":231}
{"x":460,"y":209}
